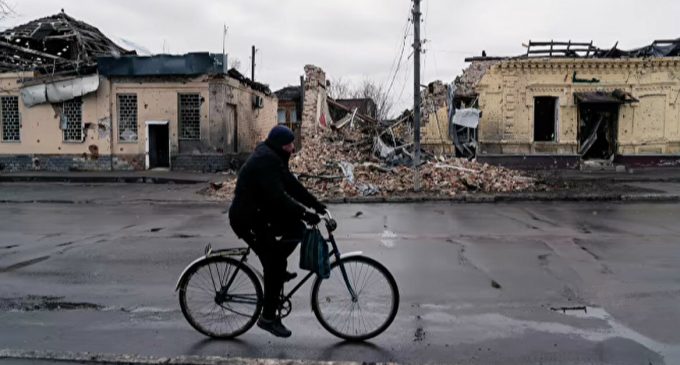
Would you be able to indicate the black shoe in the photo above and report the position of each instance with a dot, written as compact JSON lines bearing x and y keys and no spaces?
{"x":290,"y":276}
{"x":275,"y":327}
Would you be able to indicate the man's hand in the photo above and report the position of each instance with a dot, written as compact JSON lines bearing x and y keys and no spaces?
{"x":320,"y":208}
{"x":311,"y":218}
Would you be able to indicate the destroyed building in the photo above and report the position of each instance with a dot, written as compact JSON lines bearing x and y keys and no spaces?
{"x":347,"y":153}
{"x":71,"y":99}
{"x":365,"y":106}
{"x":565,"y":104}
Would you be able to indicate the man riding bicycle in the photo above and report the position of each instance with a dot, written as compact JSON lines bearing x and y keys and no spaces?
{"x":268,"y":211}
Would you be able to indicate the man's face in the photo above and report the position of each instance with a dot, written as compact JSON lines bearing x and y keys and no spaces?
{"x":290,"y":148}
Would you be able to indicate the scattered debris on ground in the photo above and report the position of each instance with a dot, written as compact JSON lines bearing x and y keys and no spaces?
{"x":333,"y":165}
{"x":354,"y":162}
{"x":347,"y":154}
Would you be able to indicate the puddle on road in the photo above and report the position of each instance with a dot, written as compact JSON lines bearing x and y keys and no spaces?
{"x":387,"y":238}
{"x":495,"y":325}
{"x":44,"y":303}
{"x":150,"y":310}
{"x":670,"y":353}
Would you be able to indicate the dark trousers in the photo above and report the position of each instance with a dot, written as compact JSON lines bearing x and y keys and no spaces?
{"x":273,"y":255}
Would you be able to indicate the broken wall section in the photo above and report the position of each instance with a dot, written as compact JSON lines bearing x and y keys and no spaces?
{"x":42,"y":137}
{"x":434,"y":133}
{"x":315,"y":102}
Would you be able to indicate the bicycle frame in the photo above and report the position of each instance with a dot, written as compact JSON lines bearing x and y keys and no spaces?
{"x":331,"y":225}
{"x":335,"y":252}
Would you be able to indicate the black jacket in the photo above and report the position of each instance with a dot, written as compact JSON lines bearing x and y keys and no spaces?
{"x":267,"y":192}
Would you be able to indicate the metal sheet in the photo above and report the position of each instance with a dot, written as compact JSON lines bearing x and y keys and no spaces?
{"x":596,"y":97}
{"x":590,"y":141}
{"x":59,"y":91}
{"x":190,"y":64}
{"x":468,"y":117}
{"x":33,"y":95}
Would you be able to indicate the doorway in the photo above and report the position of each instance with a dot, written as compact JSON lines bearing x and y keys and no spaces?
{"x":158,"y":144}
{"x":546,"y":114}
{"x":598,"y":123}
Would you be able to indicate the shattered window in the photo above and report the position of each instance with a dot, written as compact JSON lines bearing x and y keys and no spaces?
{"x":190,"y":116}
{"x":72,"y":120}
{"x":11,"y":123}
{"x":127,"y":117}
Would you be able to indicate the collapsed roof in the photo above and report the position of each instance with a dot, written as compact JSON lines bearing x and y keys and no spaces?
{"x":552,"y":49}
{"x":289,"y":93}
{"x":57,"y":44}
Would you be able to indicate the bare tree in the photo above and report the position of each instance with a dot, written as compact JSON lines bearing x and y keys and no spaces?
{"x":340,"y":89}
{"x":5,"y":9}
{"x":369,"y":89}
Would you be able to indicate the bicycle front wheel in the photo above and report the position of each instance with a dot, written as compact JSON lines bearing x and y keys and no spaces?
{"x":373,"y":310}
{"x":220,"y":297}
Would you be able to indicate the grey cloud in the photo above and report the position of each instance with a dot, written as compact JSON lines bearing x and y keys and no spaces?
{"x":357,"y":39}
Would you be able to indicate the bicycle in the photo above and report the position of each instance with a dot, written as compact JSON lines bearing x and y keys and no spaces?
{"x":221,"y":296}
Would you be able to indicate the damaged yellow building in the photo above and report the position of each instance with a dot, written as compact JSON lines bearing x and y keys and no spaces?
{"x":561,"y":111}
{"x":71,"y":99}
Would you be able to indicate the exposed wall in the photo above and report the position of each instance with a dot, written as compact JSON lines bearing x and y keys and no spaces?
{"x":42,"y":137}
{"x":226,"y":109}
{"x":314,"y":87}
{"x":434,"y":127}
{"x":225,"y":103}
{"x":508,"y":89}
{"x":157,"y":100}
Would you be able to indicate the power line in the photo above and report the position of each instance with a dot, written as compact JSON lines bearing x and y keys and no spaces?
{"x":400,"y":58}
{"x":399,"y":45}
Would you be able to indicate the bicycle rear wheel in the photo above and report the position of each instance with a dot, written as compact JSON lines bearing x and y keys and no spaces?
{"x":373,"y":311}
{"x":220,"y":297}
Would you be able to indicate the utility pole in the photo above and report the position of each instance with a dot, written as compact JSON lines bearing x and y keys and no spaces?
{"x":225,"y":66}
{"x":224,"y":39}
{"x":416,"y":93}
{"x":252,"y":61}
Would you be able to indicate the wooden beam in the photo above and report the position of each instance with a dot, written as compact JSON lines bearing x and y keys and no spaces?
{"x":31,"y":51}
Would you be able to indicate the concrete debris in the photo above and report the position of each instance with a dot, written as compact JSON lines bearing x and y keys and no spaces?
{"x":466,"y":83}
{"x":355,"y":155}
{"x":342,"y":164}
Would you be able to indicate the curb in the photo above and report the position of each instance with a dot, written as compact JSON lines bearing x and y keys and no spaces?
{"x":109,"y":202}
{"x":101,"y":358}
{"x":502,"y":198}
{"x":101,"y":179}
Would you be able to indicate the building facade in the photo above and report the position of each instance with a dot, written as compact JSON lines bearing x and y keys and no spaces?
{"x":71,"y":99}
{"x":202,"y":123}
{"x":563,"y":111}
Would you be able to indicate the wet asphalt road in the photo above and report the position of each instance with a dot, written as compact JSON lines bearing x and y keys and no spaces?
{"x":477,"y":281}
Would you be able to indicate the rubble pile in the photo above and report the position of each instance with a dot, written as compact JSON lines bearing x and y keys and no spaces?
{"x":223,"y":189}
{"x":335,"y":164}
{"x":344,"y":164}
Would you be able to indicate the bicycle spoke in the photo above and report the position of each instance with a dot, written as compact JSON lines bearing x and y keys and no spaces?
{"x":371,"y":312}
{"x":220,"y":298}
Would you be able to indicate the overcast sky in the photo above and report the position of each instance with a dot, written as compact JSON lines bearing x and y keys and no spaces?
{"x":358,"y":39}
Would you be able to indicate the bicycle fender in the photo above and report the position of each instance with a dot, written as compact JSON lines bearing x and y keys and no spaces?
{"x":348,"y":254}
{"x":195,"y":262}
{"x":181,"y":276}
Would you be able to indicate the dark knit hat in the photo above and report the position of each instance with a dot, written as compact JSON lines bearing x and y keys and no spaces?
{"x":280,"y":136}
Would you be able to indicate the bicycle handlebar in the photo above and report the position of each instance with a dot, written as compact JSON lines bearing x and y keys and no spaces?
{"x":331,"y":224}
